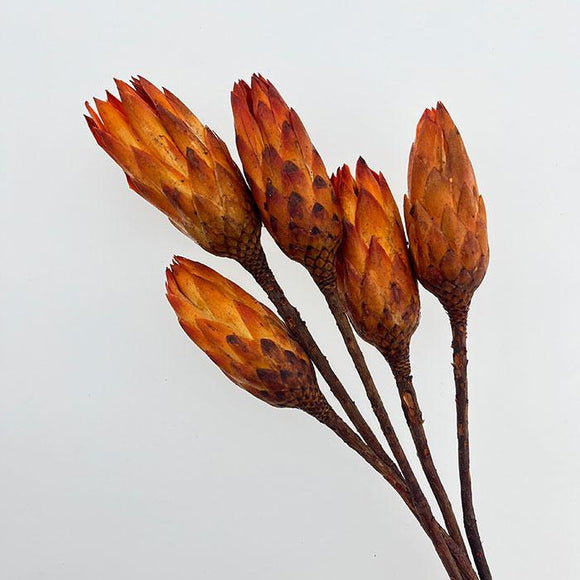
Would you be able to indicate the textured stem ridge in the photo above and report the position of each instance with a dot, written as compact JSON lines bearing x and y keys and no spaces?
{"x":401,"y":367}
{"x":258,"y":267}
{"x":454,"y":565}
{"x":458,"y":319}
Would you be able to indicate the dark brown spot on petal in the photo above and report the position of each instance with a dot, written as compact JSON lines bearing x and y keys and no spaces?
{"x":285,"y":374}
{"x":295,"y":199}
{"x":317,"y":209}
{"x":319,"y":182}
{"x":270,"y":190}
{"x":273,"y":223}
{"x":295,"y":203}
{"x":290,"y":356}
{"x":172,"y":194}
{"x":292,"y":226}
{"x":269,"y":377}
{"x":268,"y":346}
{"x":314,"y":231}
{"x":270,"y":155}
{"x":289,"y":167}
{"x":193,"y":160}
{"x":335,"y":218}
{"x":396,"y":293}
{"x":233,"y":339}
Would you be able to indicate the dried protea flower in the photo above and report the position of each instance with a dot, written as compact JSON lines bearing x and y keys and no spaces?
{"x":179,"y":165}
{"x":287,"y":177}
{"x":444,"y":213}
{"x":243,"y":337}
{"x":374,"y":271}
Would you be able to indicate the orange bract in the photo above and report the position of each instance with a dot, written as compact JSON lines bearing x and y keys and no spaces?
{"x":374,"y":272}
{"x":242,"y":336}
{"x":179,"y":165}
{"x":444,"y":213}
{"x":287,"y":177}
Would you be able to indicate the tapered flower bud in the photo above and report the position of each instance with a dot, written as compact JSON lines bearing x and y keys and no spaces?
{"x":287,"y":178}
{"x":373,"y":267}
{"x":444,"y":213}
{"x":243,"y":337}
{"x":179,"y":165}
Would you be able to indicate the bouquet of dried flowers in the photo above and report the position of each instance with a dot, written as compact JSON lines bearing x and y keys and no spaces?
{"x":347,"y":232}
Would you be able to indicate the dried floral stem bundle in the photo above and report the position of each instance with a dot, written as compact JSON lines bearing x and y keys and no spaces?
{"x":347,"y":232}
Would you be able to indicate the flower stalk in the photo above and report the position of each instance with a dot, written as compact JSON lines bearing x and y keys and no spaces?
{"x":401,"y":368}
{"x":458,"y":319}
{"x":452,"y":558}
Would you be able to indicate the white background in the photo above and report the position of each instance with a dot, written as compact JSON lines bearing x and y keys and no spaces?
{"x":124,"y":453}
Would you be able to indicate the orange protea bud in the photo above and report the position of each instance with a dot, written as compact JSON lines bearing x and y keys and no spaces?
{"x":374,"y":271}
{"x":444,"y":212}
{"x":287,"y":177}
{"x":243,"y":337}
{"x":179,"y":165}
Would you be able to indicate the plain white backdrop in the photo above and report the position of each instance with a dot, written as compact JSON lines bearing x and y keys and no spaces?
{"x":124,"y":453}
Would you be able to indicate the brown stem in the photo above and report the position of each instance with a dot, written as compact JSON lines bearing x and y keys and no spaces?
{"x":419,"y":500}
{"x":326,"y":415}
{"x":458,"y":319}
{"x":374,"y":454}
{"x":258,"y":267}
{"x":331,"y":294}
{"x":401,"y":367}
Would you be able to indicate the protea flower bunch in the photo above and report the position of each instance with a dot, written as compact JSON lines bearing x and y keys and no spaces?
{"x":346,"y":230}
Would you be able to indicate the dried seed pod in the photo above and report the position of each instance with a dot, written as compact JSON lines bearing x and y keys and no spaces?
{"x":444,"y":213}
{"x":179,"y":165}
{"x":287,"y":178}
{"x":374,"y":271}
{"x":243,"y":337}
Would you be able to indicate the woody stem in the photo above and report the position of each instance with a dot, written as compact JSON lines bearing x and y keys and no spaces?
{"x":457,"y":568}
{"x":419,"y":500}
{"x":373,"y":451}
{"x":331,"y":294}
{"x":400,"y":365}
{"x":458,"y":319}
{"x":258,"y":267}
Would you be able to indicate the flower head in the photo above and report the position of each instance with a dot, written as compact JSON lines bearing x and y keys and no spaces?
{"x":179,"y":165}
{"x":287,"y":177}
{"x":374,"y":271}
{"x":245,"y":339}
{"x":444,"y":213}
